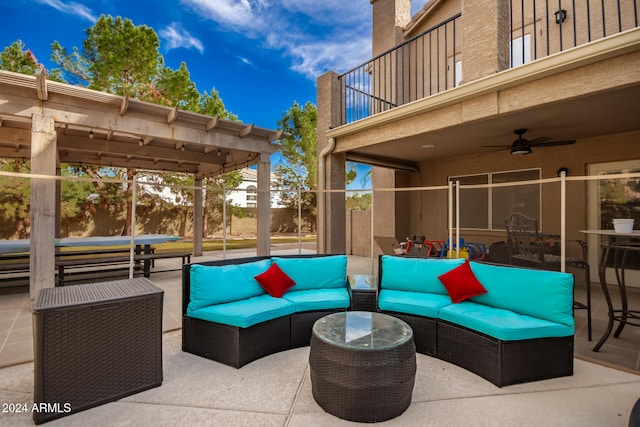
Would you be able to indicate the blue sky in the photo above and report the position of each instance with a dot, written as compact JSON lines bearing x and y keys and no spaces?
{"x":261,"y":55}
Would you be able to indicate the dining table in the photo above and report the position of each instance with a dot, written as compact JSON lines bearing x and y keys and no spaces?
{"x":615,"y":250}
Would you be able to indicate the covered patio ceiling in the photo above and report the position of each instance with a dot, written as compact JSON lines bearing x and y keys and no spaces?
{"x":102,"y":129}
{"x":589,"y":116}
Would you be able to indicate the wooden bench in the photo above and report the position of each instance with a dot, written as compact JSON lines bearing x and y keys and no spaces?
{"x":15,"y":267}
{"x":144,"y":259}
{"x":19,"y":262}
{"x":148,"y":259}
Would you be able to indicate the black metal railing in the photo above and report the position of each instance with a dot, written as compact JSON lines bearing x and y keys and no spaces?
{"x":552,"y":26}
{"x":429,"y":63}
{"x":419,"y":67}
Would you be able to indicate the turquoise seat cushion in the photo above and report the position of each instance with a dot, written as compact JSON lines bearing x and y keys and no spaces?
{"x":322,"y":272}
{"x":418,"y":303}
{"x":245,"y":313}
{"x":319,"y":299}
{"x":542,"y":294}
{"x":502,"y":324}
{"x":416,"y":274}
{"x":211,"y":285}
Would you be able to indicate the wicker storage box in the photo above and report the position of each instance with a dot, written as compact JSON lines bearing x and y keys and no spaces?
{"x":94,"y":344}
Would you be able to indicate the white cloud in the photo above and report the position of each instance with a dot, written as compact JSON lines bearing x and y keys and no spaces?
{"x":317,"y":57}
{"x":229,"y":13}
{"x":176,"y":37}
{"x":72,"y":8}
{"x":330,"y":12}
{"x":315,"y":35}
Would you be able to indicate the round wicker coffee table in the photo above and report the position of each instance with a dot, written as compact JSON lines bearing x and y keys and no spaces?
{"x":362,"y":365}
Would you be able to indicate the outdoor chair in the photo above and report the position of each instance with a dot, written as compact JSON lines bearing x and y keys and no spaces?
{"x":529,"y":248}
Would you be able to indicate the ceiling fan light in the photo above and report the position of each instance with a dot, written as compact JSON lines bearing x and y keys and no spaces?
{"x":522,"y":150}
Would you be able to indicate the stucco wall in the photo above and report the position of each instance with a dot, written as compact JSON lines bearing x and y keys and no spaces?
{"x":431,"y":215}
{"x":359,"y":232}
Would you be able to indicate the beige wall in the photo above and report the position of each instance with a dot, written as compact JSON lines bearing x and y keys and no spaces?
{"x":359,"y":232}
{"x":388,"y":19}
{"x":432,"y":213}
{"x":438,"y":11}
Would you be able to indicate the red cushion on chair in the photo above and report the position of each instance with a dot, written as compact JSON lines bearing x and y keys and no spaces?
{"x":275,"y":281}
{"x":461,"y":283}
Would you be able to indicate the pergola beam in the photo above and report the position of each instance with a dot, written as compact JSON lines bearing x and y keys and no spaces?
{"x":211,"y":124}
{"x":78,"y":143}
{"x":104,"y":159}
{"x":246,"y":131}
{"x":41,"y":87}
{"x":173,"y":114}
{"x":124,"y":106}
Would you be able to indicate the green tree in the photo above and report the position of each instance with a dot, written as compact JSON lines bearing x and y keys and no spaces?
{"x":299,"y":168}
{"x":14,"y":200}
{"x":175,"y":89}
{"x":18,"y":59}
{"x":211,"y":104}
{"x":117,"y":57}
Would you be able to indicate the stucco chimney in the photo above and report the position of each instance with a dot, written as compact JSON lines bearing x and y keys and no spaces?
{"x":389,"y":17}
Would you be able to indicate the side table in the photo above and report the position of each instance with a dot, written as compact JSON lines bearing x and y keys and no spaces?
{"x":94,"y":344}
{"x":364,"y":292}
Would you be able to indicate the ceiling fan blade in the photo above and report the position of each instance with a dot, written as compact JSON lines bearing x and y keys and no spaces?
{"x":536,"y":141}
{"x":554,"y":143}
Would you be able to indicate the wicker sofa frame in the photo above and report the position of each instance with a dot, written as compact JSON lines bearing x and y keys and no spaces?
{"x":500,"y":362}
{"x":235,"y":346}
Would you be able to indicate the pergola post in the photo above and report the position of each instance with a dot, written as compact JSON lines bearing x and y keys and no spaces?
{"x":264,"y":205}
{"x":43,"y":205}
{"x":197,"y":217}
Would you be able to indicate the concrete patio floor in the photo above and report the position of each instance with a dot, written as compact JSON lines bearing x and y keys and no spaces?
{"x":276,"y":390}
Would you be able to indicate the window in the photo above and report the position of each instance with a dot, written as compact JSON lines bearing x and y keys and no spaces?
{"x":486,"y":208}
{"x":520,"y":51}
{"x":252,"y":195}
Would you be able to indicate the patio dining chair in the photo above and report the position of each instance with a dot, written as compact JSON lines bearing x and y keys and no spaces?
{"x":529,"y":248}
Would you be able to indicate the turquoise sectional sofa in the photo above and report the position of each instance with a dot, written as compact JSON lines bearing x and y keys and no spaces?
{"x":516,"y":326}
{"x":228,"y":316}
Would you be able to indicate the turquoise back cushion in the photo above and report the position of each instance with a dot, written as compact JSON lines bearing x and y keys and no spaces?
{"x":416,"y":274}
{"x":226,"y":283}
{"x":538,"y":293}
{"x":323,"y":272}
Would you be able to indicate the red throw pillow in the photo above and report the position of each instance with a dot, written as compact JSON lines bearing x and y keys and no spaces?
{"x":275,"y":281}
{"x":461,"y":283}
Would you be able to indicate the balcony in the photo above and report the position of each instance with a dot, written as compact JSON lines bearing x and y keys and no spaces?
{"x":432,"y":62}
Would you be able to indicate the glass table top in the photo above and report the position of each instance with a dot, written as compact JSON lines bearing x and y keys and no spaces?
{"x":362,"y":330}
{"x":363,"y":282}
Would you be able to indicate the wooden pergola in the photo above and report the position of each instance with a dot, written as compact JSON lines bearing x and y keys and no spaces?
{"x":51,"y":123}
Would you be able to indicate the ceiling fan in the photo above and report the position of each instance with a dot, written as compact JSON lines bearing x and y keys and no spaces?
{"x":523,"y":146}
